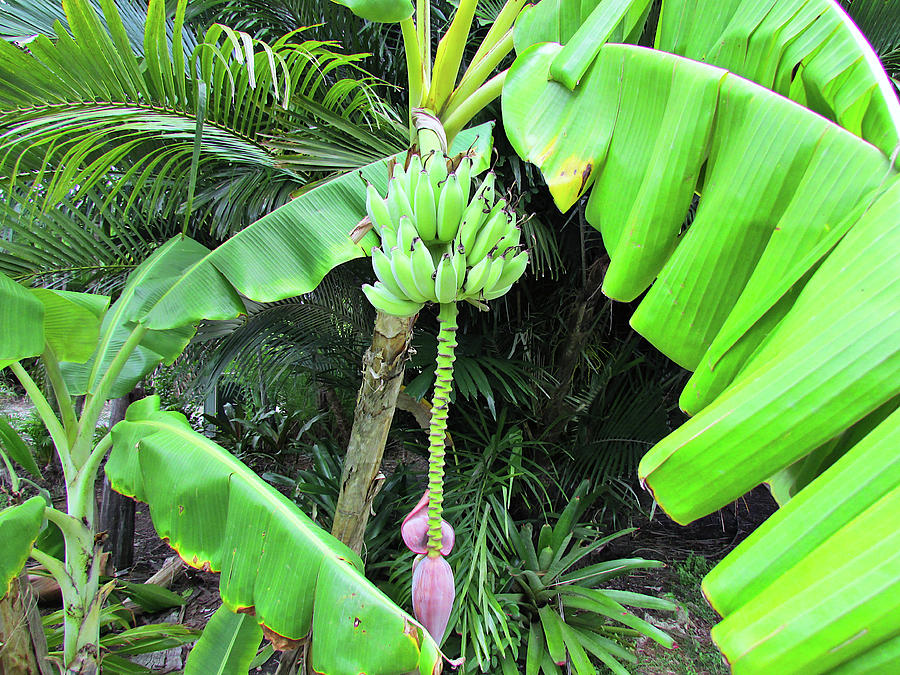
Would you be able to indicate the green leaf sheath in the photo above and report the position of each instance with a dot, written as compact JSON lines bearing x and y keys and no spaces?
{"x":437,"y":433}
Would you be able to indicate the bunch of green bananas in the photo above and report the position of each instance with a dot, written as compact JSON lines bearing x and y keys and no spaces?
{"x":437,"y":244}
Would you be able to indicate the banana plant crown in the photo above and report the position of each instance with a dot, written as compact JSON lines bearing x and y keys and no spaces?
{"x":438,"y":242}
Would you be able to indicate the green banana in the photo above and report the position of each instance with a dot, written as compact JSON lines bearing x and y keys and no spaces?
{"x":493,"y":229}
{"x":398,"y":201}
{"x":381,"y":263}
{"x":472,"y":220}
{"x":423,"y":269}
{"x":496,"y":293}
{"x":486,"y":189}
{"x":406,"y":232}
{"x":413,"y":172}
{"x":376,"y":208}
{"x":476,"y":277}
{"x":493,"y":275}
{"x":513,"y":267}
{"x":436,"y":166}
{"x":445,"y":285}
{"x":401,"y":264}
{"x":510,"y":239}
{"x":382,"y":299}
{"x":426,"y":209}
{"x":450,"y":208}
{"x":458,"y":260}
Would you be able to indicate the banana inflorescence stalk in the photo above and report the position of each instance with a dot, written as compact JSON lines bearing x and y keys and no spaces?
{"x":440,"y":243}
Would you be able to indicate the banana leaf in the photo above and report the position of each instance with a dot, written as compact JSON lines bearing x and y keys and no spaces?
{"x":168,"y":294}
{"x":19,"y":527}
{"x":14,"y":447}
{"x":275,"y":563}
{"x":21,"y":322}
{"x":781,"y":292}
{"x":227,"y":645}
{"x":289,"y":251}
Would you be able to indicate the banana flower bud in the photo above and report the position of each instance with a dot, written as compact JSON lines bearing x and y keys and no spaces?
{"x":414,"y":529}
{"x":433,"y":592}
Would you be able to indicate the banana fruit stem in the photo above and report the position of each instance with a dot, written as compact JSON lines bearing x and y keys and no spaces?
{"x":437,"y":433}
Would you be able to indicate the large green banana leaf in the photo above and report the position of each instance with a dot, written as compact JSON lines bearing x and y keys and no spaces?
{"x":169,"y":293}
{"x":21,"y":322}
{"x":19,"y":527}
{"x":783,"y":293}
{"x":274,"y":561}
{"x":289,"y":251}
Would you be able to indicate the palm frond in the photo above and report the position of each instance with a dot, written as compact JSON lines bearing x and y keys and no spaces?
{"x":156,"y":120}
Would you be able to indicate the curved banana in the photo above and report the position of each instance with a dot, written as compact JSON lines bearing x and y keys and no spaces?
{"x":381,"y":263}
{"x":490,"y":281}
{"x":401,"y":264}
{"x":486,"y":189}
{"x":426,"y":209}
{"x":496,"y":292}
{"x":413,"y":173}
{"x":436,"y":166}
{"x":509,"y":240}
{"x":493,"y":229}
{"x":445,"y":285}
{"x":382,"y":299}
{"x":513,"y":268}
{"x":458,"y":260}
{"x":406,"y":232}
{"x":423,"y":269}
{"x":464,"y":173}
{"x":376,"y":208}
{"x":476,"y":277}
{"x":472,"y":220}
{"x":450,"y":208}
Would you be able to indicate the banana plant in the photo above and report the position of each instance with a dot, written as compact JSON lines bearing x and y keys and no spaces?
{"x":780,"y":118}
{"x":279,"y":568}
{"x":780,"y":294}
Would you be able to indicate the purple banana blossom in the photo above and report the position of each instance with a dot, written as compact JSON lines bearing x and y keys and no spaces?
{"x":414,"y":529}
{"x":433,"y":592}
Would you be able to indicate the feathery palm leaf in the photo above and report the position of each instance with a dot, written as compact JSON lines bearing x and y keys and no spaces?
{"x":88,"y":106}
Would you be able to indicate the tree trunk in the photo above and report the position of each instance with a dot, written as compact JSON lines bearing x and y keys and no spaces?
{"x":117,"y":511}
{"x":23,"y":649}
{"x":383,"y":366}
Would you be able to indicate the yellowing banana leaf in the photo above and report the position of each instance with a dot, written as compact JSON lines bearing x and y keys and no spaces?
{"x":19,"y":527}
{"x":289,"y":251}
{"x":168,"y":294}
{"x":274,"y":561}
{"x":783,"y":293}
{"x":227,"y":645}
{"x":21,"y":323}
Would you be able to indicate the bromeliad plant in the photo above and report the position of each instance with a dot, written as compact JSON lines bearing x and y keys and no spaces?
{"x":213,"y":510}
{"x":569,"y":616}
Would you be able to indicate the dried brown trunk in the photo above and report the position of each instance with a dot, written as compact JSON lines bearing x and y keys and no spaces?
{"x":23,"y":648}
{"x":383,"y":366}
